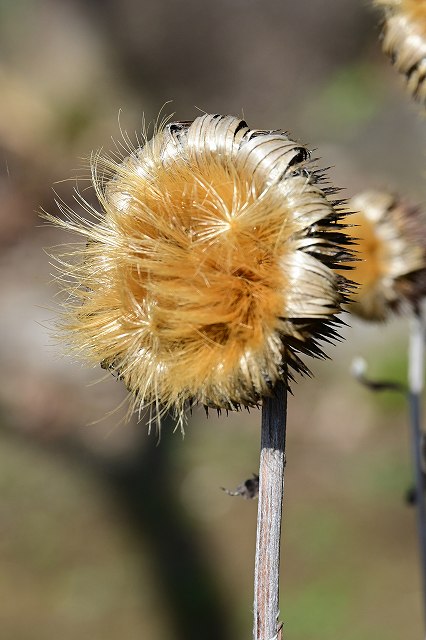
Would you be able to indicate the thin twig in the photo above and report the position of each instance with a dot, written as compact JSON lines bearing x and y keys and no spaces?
{"x":271,"y":490}
{"x":359,"y":371}
{"x":416,"y":382}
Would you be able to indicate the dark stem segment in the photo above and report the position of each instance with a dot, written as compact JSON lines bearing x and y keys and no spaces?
{"x":271,"y":490}
{"x":415,"y":379}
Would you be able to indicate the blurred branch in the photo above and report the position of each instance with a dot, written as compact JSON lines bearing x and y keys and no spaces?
{"x":359,"y":370}
{"x":416,"y":384}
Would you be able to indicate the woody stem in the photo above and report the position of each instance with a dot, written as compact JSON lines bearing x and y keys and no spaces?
{"x":271,"y":491}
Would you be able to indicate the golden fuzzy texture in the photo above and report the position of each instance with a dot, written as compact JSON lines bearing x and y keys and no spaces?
{"x":391,"y":272}
{"x":404,"y":40}
{"x":212,"y":263}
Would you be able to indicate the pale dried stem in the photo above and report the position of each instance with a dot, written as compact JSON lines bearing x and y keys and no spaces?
{"x":416,"y":384}
{"x":271,"y":491}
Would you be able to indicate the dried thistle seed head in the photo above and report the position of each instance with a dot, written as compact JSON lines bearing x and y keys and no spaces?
{"x":391,"y":271}
{"x":404,"y":40}
{"x":213,"y":262}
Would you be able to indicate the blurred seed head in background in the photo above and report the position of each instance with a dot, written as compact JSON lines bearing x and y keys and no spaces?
{"x":404,"y":40}
{"x":391,"y":271}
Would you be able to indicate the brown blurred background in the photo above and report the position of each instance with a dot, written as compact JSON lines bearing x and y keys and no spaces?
{"x":103,"y":534}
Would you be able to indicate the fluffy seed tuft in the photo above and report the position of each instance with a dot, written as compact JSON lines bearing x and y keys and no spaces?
{"x":213,"y":262}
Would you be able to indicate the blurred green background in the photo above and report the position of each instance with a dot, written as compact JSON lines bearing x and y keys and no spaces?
{"x":104,"y":534}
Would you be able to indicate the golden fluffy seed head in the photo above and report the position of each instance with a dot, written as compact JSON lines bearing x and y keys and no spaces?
{"x":212,"y":263}
{"x":391,"y":272}
{"x":404,"y":40}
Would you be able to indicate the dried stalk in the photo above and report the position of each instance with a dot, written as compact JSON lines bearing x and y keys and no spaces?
{"x":271,"y":490}
{"x":416,"y":383}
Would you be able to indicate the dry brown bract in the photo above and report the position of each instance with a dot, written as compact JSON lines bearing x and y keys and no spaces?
{"x":213,"y":261}
{"x":392,"y":250}
{"x":404,"y":40}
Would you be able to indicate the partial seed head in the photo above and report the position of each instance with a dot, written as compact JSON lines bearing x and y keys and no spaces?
{"x":404,"y":40}
{"x":212,"y":263}
{"x":391,"y":271}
